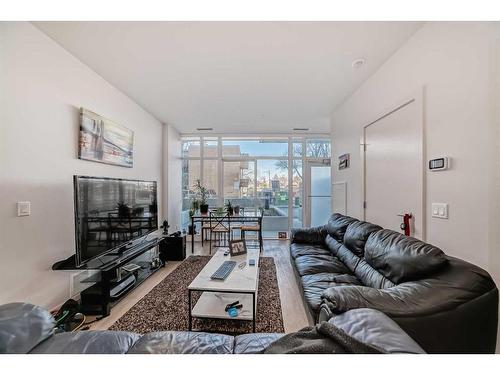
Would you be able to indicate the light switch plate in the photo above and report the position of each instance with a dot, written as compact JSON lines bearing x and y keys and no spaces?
{"x":440,"y":210}
{"x":23,"y":208}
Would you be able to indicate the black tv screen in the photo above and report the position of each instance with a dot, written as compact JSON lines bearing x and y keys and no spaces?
{"x":111,"y":213}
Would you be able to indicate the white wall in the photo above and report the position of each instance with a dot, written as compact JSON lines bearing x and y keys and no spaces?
{"x":453,"y":62}
{"x":457,"y":65}
{"x":42,"y":87}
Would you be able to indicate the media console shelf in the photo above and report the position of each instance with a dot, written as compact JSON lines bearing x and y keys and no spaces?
{"x":111,"y":282}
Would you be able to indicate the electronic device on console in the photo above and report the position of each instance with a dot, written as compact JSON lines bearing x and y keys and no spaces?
{"x":112,"y":215}
{"x":114,"y":222}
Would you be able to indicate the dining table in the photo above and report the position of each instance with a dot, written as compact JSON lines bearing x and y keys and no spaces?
{"x":244,"y":217}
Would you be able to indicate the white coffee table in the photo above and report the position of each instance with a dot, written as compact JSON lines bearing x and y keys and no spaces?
{"x":241,"y":285}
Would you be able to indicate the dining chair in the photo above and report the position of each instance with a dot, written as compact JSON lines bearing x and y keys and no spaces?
{"x":220,"y":226}
{"x":255,"y":228}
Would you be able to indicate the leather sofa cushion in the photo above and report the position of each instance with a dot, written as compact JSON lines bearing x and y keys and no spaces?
{"x":314,"y":285}
{"x":23,"y":326}
{"x":376,"y":329}
{"x":315,"y":235}
{"x":369,"y":276}
{"x":181,"y":342}
{"x":332,"y":244}
{"x":299,"y":249}
{"x":253,"y":343}
{"x":401,"y":258}
{"x":348,"y":258}
{"x":310,"y":264}
{"x":337,"y":225}
{"x":88,"y":342}
{"x":356,"y":235}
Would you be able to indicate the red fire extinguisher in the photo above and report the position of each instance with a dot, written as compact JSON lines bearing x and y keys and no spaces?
{"x":405,"y":225}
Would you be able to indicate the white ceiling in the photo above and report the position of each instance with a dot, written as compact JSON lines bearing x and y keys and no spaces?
{"x":237,"y":77}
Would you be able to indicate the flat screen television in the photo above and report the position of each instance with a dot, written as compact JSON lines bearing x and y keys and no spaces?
{"x":112,"y":214}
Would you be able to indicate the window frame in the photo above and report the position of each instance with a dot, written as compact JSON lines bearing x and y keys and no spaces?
{"x":290,"y":138}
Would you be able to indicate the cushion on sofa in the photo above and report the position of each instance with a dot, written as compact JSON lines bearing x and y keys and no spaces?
{"x":401,"y":258}
{"x":337,"y":225}
{"x":369,"y":276}
{"x":356,"y":235}
{"x":314,"y":285}
{"x":376,"y":329}
{"x":310,"y":264}
{"x":300,"y":249}
{"x":253,"y":343}
{"x":348,"y":258}
{"x":88,"y":342}
{"x":315,"y":235}
{"x":332,"y":244}
{"x":181,"y":342}
{"x":23,"y":326}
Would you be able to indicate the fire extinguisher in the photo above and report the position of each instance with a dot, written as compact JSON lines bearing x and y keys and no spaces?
{"x":405,"y":225}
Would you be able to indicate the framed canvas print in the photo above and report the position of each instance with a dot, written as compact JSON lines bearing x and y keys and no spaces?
{"x":344,"y":161}
{"x":237,"y":247}
{"x":104,"y":141}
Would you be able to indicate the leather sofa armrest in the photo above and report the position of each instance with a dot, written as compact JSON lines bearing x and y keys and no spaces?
{"x":338,"y":300}
{"x":313,"y":236}
{"x":404,"y":300}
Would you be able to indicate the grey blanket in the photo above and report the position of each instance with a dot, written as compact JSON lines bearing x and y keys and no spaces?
{"x":324,"y":338}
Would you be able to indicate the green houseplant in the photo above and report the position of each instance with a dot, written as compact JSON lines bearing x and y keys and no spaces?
{"x":202,"y":193}
{"x":124,"y":210}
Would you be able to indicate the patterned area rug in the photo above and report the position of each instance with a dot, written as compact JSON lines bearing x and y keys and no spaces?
{"x":165,"y":307}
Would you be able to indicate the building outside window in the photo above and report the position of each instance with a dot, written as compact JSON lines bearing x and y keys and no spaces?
{"x":252,"y":173}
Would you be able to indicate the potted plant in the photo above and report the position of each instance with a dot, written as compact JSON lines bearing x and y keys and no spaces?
{"x":202,"y":194}
{"x":123,"y":210}
{"x":229,"y":208}
{"x":219,"y":211}
{"x":236,"y":210}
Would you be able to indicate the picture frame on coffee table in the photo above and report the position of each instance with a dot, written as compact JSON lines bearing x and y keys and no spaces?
{"x":237,"y":247}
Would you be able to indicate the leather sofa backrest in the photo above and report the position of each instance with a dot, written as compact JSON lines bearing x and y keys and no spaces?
{"x":333,"y":244}
{"x":369,"y":276}
{"x":350,"y":250}
{"x":400,"y":258}
{"x":23,"y":326}
{"x":347,"y":257}
{"x":356,"y":235}
{"x":337,"y":225}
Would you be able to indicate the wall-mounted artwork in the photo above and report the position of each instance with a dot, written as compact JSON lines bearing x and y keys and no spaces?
{"x":104,"y":141}
{"x":344,"y":161}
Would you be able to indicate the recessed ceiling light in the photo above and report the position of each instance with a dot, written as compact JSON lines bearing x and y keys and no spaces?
{"x":358,"y":63}
{"x":301,"y":129}
{"x":204,"y":129}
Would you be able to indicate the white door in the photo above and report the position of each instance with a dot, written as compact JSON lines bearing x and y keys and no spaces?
{"x":393,"y":169}
{"x":319,"y":193}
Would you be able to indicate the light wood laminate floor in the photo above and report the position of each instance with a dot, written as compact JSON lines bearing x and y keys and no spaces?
{"x":294,"y":314}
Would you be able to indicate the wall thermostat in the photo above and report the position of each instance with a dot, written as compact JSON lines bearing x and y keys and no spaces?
{"x":439,"y":164}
